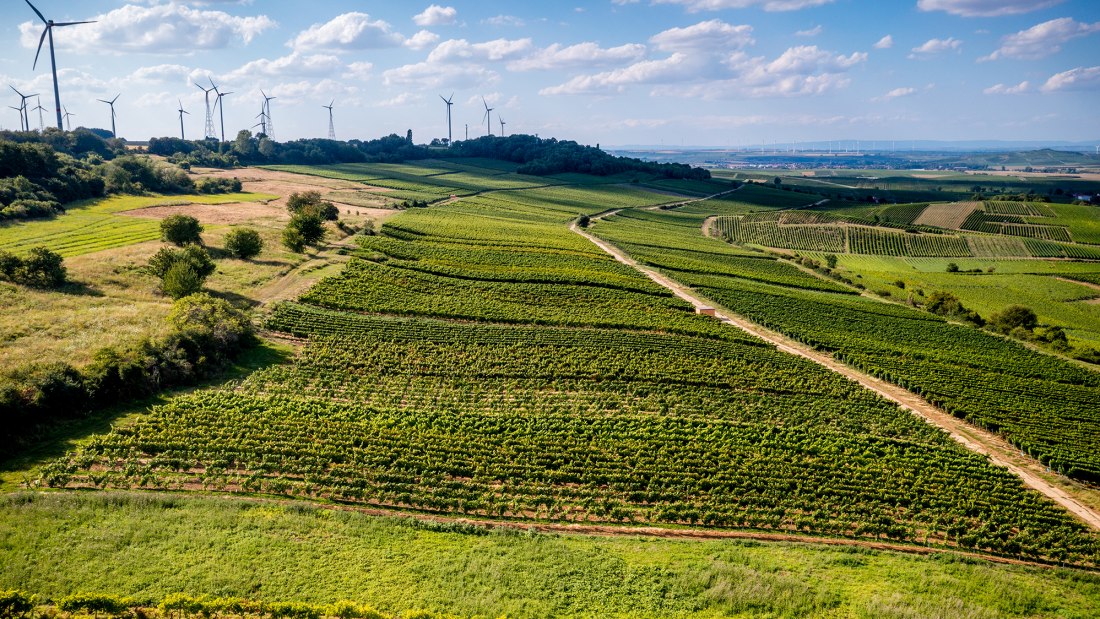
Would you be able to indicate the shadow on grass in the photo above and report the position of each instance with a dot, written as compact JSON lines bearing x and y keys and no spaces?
{"x":80,"y":289}
{"x":20,"y":463}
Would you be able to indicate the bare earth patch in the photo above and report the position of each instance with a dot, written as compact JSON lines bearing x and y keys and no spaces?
{"x":949,"y":216}
{"x":283,"y":184}
{"x":237,"y":212}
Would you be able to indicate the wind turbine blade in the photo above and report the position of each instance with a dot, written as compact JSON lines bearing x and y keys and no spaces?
{"x":73,"y":23}
{"x":41,"y":40}
{"x":37,"y":12}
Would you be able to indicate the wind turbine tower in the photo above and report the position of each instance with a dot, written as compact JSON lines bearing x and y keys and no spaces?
{"x":24,"y":115}
{"x":488,"y":117}
{"x":41,"y":122}
{"x":112,"y":104}
{"x":20,"y":110}
{"x":209,"y":132}
{"x":182,"y":111}
{"x":50,"y":24}
{"x":221,"y":106}
{"x":68,"y":123}
{"x":449,"y":103}
{"x":331,"y":126}
{"x":502,"y":123}
{"x":269,"y":125}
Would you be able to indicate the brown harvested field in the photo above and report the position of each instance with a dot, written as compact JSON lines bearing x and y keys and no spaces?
{"x":950,"y":215}
{"x":283,"y":184}
{"x":237,"y":212}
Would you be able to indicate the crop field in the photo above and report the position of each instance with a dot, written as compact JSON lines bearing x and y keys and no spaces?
{"x":94,"y":225}
{"x":949,"y":215}
{"x":477,"y":358}
{"x":1041,"y":404}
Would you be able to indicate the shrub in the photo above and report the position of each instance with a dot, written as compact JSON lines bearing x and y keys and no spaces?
{"x":16,"y":604}
{"x":244,"y":243}
{"x":948,"y":305}
{"x":181,"y":280}
{"x":310,"y":202}
{"x":1014,"y":317}
{"x":830,"y":260}
{"x":193,"y":255}
{"x":583,"y":221}
{"x":42,"y":268}
{"x":952,"y":267}
{"x":229,"y":328}
{"x":303,"y":229}
{"x":94,"y":603}
{"x":293,"y":240}
{"x":181,"y":230}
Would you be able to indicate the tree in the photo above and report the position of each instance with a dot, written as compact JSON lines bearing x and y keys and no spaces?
{"x":195,"y":256}
{"x":228,"y":327}
{"x":304,"y":229}
{"x":409,"y":136}
{"x":952,"y":267}
{"x":181,"y":280}
{"x":42,"y":268}
{"x":244,"y":243}
{"x":311,"y":202}
{"x":181,"y":230}
{"x":830,"y":260}
{"x":1014,"y":317}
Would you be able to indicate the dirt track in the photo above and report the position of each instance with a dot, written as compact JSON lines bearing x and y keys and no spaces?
{"x":1033,"y":473}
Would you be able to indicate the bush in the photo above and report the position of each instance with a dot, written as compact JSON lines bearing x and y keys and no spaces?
{"x":952,"y":267}
{"x":948,"y":305}
{"x":181,"y":280}
{"x":1014,"y":317}
{"x":303,"y":229}
{"x":181,"y":230}
{"x":15,"y":604}
{"x":193,"y":255}
{"x":212,"y":184}
{"x":244,"y":243}
{"x":583,"y":221}
{"x":94,"y":603}
{"x":310,"y":203}
{"x":229,"y":328}
{"x":42,"y":268}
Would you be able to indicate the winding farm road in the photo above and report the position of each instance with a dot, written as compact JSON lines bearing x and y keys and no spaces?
{"x":1000,"y":452}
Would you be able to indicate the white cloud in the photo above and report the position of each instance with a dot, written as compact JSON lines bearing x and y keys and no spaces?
{"x":161,"y":73}
{"x":713,"y":36}
{"x":896,"y":93}
{"x":422,"y":40}
{"x":460,"y":49}
{"x":358,"y":71}
{"x":435,"y":75}
{"x":159,"y":29}
{"x":586,"y":54}
{"x":885,"y":42}
{"x":1081,"y":78}
{"x":401,"y":99}
{"x":985,"y":8}
{"x":694,"y":6}
{"x":293,"y":65}
{"x":349,"y":31}
{"x":1042,"y":40}
{"x":676,"y":67}
{"x":936,"y":46}
{"x":799,"y":71}
{"x":1001,"y":89}
{"x":505,"y":20}
{"x":812,"y":32}
{"x":436,"y":15}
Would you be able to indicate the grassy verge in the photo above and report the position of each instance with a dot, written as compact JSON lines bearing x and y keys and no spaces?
{"x":148,"y":546}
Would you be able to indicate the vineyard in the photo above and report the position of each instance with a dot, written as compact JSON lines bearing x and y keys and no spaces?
{"x":1041,"y":404}
{"x":478,"y":358}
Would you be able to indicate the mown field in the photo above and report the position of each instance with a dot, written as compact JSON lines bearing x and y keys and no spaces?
{"x":477,"y":359}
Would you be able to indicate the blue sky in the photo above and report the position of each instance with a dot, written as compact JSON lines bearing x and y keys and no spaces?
{"x":617,"y":72}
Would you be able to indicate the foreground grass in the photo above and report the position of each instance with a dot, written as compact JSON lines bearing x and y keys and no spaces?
{"x":148,"y":546}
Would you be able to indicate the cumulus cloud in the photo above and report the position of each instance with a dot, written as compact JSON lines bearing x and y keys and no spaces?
{"x":1081,"y":78}
{"x":399,"y":100}
{"x":436,"y":15}
{"x":985,"y":8}
{"x":435,"y":75}
{"x":1002,"y":89}
{"x":586,"y":54}
{"x":896,"y":93}
{"x":293,"y":65}
{"x":422,"y":40}
{"x":159,"y":29}
{"x":799,"y":71}
{"x":1042,"y":40}
{"x":712,"y":36}
{"x":161,"y":73}
{"x":349,"y":31}
{"x":885,"y":42}
{"x":460,"y":49}
{"x":932,"y":47}
{"x":694,"y":6}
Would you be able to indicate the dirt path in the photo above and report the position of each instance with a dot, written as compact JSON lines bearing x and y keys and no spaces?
{"x":1075,"y":281}
{"x":1033,"y":473}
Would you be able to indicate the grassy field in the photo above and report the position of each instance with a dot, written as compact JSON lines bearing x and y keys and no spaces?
{"x":150,"y":546}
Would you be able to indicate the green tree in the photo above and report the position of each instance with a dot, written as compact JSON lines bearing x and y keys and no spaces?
{"x":1014,"y":317}
{"x":305,"y":228}
{"x":244,"y":243}
{"x":181,"y":230}
{"x":197,"y":257}
{"x":181,"y":280}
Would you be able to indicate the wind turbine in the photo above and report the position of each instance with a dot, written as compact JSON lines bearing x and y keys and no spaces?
{"x":221,"y":106}
{"x":50,"y":24}
{"x":40,"y":109}
{"x":182,"y":112}
{"x":502,"y":123}
{"x":20,"y":110}
{"x":331,"y":127}
{"x":208,"y":131}
{"x":269,"y":126}
{"x":263,"y":121}
{"x":68,"y":124}
{"x":24,"y":116}
{"x":449,"y":103}
{"x":488,"y":117}
{"x":112,"y":104}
